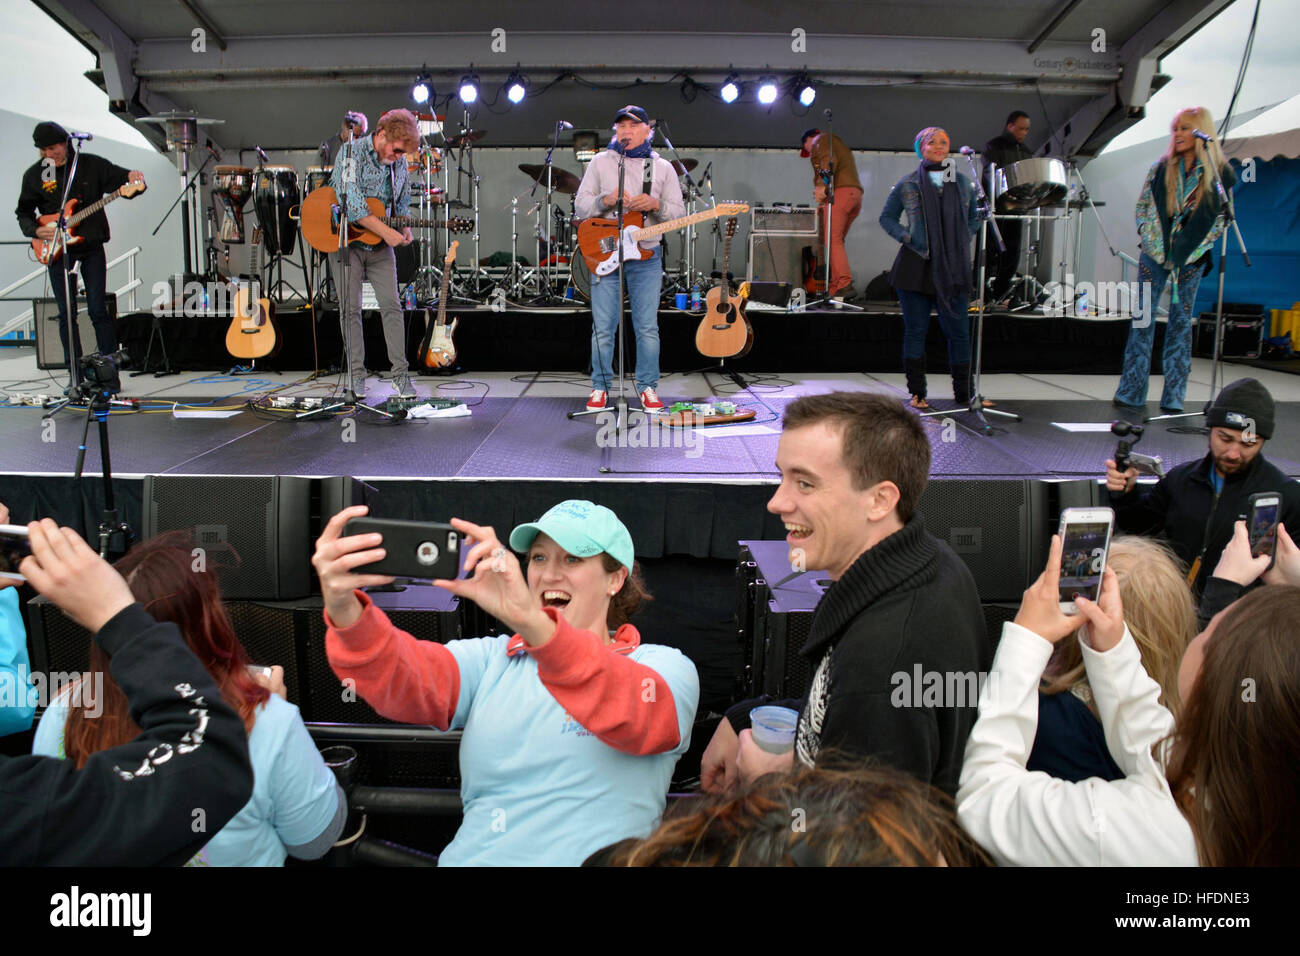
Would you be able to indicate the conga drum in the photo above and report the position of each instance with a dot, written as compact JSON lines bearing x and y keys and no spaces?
{"x":318,"y":176}
{"x":274,"y":196}
{"x":232,"y":185}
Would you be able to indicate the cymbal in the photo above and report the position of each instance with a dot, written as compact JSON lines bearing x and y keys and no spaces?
{"x":685,"y":166}
{"x":466,"y":137}
{"x":562,"y":181}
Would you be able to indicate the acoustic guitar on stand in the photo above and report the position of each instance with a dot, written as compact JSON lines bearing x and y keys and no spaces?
{"x":320,"y":221}
{"x":724,"y":331}
{"x":45,"y":249}
{"x":253,"y":333}
{"x":598,"y":238}
{"x":438,"y":350}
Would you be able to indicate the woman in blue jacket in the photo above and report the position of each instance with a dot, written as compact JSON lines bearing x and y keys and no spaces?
{"x":932,"y":271}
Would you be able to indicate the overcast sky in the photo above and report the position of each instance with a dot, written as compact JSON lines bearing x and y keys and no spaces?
{"x":41,"y":72}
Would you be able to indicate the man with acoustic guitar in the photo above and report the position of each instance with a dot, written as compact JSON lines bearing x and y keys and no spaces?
{"x":650,"y":187}
{"x":41,"y":194}
{"x":377,"y":170}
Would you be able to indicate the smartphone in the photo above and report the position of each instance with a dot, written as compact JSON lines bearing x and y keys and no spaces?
{"x":14,"y":546}
{"x":1085,"y":540}
{"x":415,"y":549}
{"x":1261,"y":524}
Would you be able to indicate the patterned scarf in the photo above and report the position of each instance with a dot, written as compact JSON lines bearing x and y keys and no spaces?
{"x":636,"y":152}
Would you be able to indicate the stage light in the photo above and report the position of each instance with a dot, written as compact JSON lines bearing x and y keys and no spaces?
{"x":731,"y":89}
{"x":767,"y":90}
{"x":516,"y":87}
{"x":469,"y":88}
{"x":586,"y":144}
{"x":804,"y":88}
{"x":422,"y":89}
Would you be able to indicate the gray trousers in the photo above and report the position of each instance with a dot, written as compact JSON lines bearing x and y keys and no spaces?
{"x":378,"y":264}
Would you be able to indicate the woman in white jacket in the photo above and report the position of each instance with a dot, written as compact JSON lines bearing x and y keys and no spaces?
{"x":1236,"y":748}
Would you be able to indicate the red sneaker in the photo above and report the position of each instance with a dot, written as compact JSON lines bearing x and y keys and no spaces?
{"x":650,"y":401}
{"x":597,"y":400}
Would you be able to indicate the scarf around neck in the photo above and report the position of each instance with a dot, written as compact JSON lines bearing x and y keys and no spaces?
{"x":636,"y":152}
{"x":948,"y":238}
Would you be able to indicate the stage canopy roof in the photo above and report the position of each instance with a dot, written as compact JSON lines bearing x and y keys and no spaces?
{"x":281,"y":74}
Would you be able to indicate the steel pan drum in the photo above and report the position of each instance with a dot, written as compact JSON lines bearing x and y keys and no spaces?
{"x":232,"y":185}
{"x":318,"y":176}
{"x":275,"y":194}
{"x":1032,"y":183}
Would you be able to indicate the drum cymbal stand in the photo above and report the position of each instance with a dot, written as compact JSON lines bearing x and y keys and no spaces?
{"x":976,"y":406}
{"x":546,"y":266}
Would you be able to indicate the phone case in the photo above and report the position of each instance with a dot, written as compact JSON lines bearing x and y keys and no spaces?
{"x":414,"y":549}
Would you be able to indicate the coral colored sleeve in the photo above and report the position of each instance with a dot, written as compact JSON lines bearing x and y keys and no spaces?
{"x":626,"y":704}
{"x":415,"y":682}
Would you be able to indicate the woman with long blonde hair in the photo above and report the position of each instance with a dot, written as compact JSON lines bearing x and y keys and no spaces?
{"x":1179,"y":217}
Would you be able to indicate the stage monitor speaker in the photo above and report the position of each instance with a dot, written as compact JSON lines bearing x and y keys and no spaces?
{"x":1000,"y":529}
{"x":255,"y":531}
{"x":778,"y":258}
{"x":49,"y":347}
{"x":779,"y":616}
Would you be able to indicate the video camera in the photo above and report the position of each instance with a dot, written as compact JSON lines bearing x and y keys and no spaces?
{"x":100,"y":373}
{"x":1126,"y":458}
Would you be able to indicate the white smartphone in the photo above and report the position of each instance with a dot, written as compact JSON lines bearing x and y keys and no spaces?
{"x":1085,"y":541}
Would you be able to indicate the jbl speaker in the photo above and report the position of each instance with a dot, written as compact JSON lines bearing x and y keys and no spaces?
{"x":778,"y":258}
{"x":49,"y":347}
{"x":255,"y":532}
{"x":775,"y":607}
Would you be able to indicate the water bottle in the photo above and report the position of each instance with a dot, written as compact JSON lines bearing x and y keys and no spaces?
{"x":695,"y":298}
{"x":410,"y":298}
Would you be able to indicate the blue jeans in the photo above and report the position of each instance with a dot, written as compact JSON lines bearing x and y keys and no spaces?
{"x":916,"y":323}
{"x":1177,"y":355}
{"x":94,"y":273}
{"x":643,"y":279}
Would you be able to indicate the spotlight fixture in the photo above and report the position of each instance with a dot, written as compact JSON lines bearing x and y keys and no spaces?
{"x":767,"y":90}
{"x":730,"y":88}
{"x":469,"y":87}
{"x":422,"y":89}
{"x":804,"y":89}
{"x":516,"y":87}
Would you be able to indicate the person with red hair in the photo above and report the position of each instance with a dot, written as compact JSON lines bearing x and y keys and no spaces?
{"x":297,"y":807}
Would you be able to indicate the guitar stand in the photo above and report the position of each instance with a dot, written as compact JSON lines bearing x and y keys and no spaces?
{"x":276,"y":268}
{"x":166,"y":369}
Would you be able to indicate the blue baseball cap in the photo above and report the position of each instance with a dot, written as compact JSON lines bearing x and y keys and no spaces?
{"x":581,"y":528}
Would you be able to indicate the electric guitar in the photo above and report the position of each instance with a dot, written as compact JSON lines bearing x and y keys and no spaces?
{"x":724,"y":331}
{"x":319,"y":216}
{"x":598,"y":238}
{"x":45,"y":249}
{"x":253,"y":333}
{"x":438,"y":350}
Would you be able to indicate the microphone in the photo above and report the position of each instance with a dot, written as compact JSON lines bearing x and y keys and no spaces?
{"x":261,"y":154}
{"x":564,"y":124}
{"x":827,"y":113}
{"x":967,"y":151}
{"x":86,"y":137}
{"x":216,"y":153}
{"x":1203,"y":137}
{"x":351,"y":119}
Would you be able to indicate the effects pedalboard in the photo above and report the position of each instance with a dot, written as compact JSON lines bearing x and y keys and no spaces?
{"x":41,"y":400}
{"x":395,"y":404}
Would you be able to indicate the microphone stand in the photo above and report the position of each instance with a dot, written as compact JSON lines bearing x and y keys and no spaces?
{"x":828,"y":177}
{"x":182,"y":197}
{"x":349,"y":386}
{"x":548,"y":269}
{"x":1230,"y":219}
{"x":976,"y":406}
{"x":693,"y":192}
{"x":620,"y":405}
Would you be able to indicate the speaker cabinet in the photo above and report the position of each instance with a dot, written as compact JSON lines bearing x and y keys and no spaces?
{"x":49,"y":347}
{"x":776,"y":258}
{"x":776,"y":604}
{"x":255,"y":531}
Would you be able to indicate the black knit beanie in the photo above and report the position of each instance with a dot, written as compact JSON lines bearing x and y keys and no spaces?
{"x":49,"y":134}
{"x":1243,"y":401}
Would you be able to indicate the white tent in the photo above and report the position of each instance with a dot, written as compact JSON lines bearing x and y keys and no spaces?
{"x":1273,"y":133}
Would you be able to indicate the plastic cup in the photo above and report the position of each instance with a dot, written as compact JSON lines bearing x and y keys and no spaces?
{"x":680,"y":299}
{"x":773,"y":728}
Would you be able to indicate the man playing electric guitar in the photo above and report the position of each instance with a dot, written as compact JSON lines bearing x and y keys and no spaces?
{"x":650,"y":187}
{"x":830,"y":156}
{"x":41,"y":195}
{"x":377,"y":169}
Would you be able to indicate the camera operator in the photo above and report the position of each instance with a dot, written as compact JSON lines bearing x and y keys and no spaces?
{"x":157,"y":799}
{"x":1197,"y":503}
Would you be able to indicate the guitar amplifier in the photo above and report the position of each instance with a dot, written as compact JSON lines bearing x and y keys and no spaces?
{"x":1243,"y":335}
{"x":777,"y":257}
{"x":49,"y":347}
{"x":784,"y":220}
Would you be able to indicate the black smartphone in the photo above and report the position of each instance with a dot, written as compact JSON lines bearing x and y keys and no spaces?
{"x":415,"y":549}
{"x":14,"y":546}
{"x":1261,"y":524}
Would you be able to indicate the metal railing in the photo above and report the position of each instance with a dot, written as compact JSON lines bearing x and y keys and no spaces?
{"x":26,"y":317}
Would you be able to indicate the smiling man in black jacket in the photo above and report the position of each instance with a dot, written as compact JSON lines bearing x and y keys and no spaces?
{"x":897,"y":645}
{"x":1197,"y":503}
{"x":157,"y":799}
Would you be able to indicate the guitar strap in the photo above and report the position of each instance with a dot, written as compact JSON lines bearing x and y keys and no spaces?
{"x":648,"y":179}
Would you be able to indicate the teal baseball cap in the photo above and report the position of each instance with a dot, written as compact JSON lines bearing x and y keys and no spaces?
{"x":581,"y":528}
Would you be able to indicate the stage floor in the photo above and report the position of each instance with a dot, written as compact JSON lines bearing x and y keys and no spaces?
{"x":518,"y":430}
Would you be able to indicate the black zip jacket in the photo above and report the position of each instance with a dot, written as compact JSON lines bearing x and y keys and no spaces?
{"x":95,"y":177}
{"x":156,"y":800}
{"x":1184,"y":508}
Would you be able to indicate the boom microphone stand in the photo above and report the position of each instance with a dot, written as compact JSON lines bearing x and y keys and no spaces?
{"x":976,"y":406}
{"x":1230,"y":219}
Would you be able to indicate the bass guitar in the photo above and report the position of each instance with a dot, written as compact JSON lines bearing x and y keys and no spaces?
{"x":253,"y":333}
{"x":599,"y":239}
{"x":438,"y":350}
{"x":45,"y":249}
{"x":724,"y":331}
{"x":320,"y":221}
